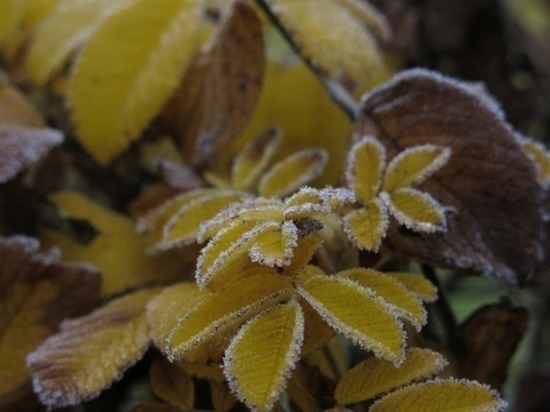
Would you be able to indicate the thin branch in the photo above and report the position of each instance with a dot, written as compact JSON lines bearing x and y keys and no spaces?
{"x":337,"y":92}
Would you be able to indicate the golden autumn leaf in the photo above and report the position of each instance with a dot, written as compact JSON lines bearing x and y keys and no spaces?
{"x":351,"y":57}
{"x":12,"y":14}
{"x":221,"y":88}
{"x":118,"y":251}
{"x":171,"y":384}
{"x":110,"y":339}
{"x":36,"y":293}
{"x":540,"y":156}
{"x":417,"y":284}
{"x":374,"y":377}
{"x":365,"y":168}
{"x":260,"y":357}
{"x":366,"y":227}
{"x":112,"y":103}
{"x":343,"y":303}
{"x":441,"y":396}
{"x":66,"y":28}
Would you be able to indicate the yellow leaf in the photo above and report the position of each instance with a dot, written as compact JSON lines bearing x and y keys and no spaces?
{"x":348,"y":54}
{"x":366,"y":227}
{"x":374,"y":377}
{"x":254,"y":158}
{"x":540,"y":156}
{"x":124,"y":75}
{"x":260,"y":357}
{"x":372,"y":17}
{"x":296,"y":170}
{"x":107,"y":341}
{"x":414,"y":165}
{"x":165,"y":309}
{"x":343,"y":304}
{"x":225,"y":310}
{"x":406,"y":303}
{"x":417,"y":284}
{"x":442,"y":396}
{"x":275,"y":247}
{"x":172,"y":384}
{"x":317,"y":332}
{"x":15,"y":107}
{"x":365,"y":164}
{"x":182,"y":227}
{"x":118,"y":251}
{"x":67,"y":28}
{"x":10,"y":18}
{"x":415,"y":209}
{"x":38,"y":10}
{"x":303,"y":253}
{"x":36,"y":293}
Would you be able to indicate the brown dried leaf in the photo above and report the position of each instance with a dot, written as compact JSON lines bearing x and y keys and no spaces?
{"x":489,"y":185}
{"x":220,"y":90}
{"x":91,"y":352}
{"x":490,"y":337}
{"x":36,"y":293}
{"x":172,"y":384}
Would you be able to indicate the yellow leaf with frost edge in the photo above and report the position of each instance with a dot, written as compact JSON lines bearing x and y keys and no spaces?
{"x":366,"y":227}
{"x":343,"y":304}
{"x":417,"y":284}
{"x":127,"y":71}
{"x":415,"y":210}
{"x":365,"y":166}
{"x":108,"y":341}
{"x":373,"y":376}
{"x":260,"y":357}
{"x":442,"y":396}
{"x":118,"y":251}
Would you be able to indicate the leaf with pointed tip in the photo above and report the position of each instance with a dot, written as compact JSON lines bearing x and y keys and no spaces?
{"x":365,"y":165}
{"x":343,"y":304}
{"x":220,"y":90}
{"x":107,"y":341}
{"x":112,"y":103}
{"x":261,"y":356}
{"x":442,"y":396}
{"x":540,"y":156}
{"x":415,"y":210}
{"x":350,"y":57}
{"x":374,"y":377}
{"x":414,"y":165}
{"x":182,"y":227}
{"x":166,"y":309}
{"x":224,"y":311}
{"x":254,"y":158}
{"x":392,"y":291}
{"x":36,"y":294}
{"x":171,"y":384}
{"x":292,"y":172}
{"x":489,"y":180}
{"x":68,"y":27}
{"x":303,"y":254}
{"x":117,"y":250}
{"x":417,"y":284}
{"x":366,"y":227}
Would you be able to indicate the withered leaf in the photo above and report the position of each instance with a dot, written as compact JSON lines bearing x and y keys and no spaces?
{"x":219,"y":91}
{"x":36,"y":293}
{"x":490,"y":337}
{"x":108,"y":341}
{"x":489,"y":185}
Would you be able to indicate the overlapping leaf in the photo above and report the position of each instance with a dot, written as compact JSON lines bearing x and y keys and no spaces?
{"x":36,"y":293}
{"x":221,"y":88}
{"x":442,"y":396}
{"x":118,"y":251}
{"x":172,"y":384}
{"x":260,"y":357}
{"x":488,"y":180}
{"x":373,"y":376}
{"x":109,"y":340}
{"x":112,"y":103}
{"x":417,"y":284}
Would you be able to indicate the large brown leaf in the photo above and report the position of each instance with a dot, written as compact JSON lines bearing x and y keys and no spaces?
{"x":36,"y":293}
{"x":219,"y":92}
{"x":488,"y":184}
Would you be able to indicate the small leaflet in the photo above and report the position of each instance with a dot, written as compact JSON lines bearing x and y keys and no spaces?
{"x":417,"y":284}
{"x":170,"y":383}
{"x":441,"y":395}
{"x":414,"y":165}
{"x":343,"y":303}
{"x":365,"y":166}
{"x":366,"y":227}
{"x":275,"y":247}
{"x":374,"y":376}
{"x":260,"y":358}
{"x":109,"y":340}
{"x":540,"y":156}
{"x":254,"y":158}
{"x":292,"y":172}
{"x":415,"y":210}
